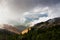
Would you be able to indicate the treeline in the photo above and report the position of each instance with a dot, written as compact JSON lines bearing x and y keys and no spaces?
{"x":51,"y":33}
{"x":7,"y":35}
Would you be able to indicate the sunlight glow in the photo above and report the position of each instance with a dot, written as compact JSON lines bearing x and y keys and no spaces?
{"x":3,"y":11}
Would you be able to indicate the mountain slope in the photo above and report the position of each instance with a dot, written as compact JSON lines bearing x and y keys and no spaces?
{"x":10,"y":32}
{"x":48,"y":30}
{"x":8,"y":35}
{"x":9,"y":28}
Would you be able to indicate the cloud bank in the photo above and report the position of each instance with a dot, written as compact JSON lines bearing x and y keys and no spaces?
{"x":23,"y":12}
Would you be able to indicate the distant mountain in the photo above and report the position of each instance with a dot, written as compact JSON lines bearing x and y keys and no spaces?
{"x":10,"y":32}
{"x":9,"y":28}
{"x":8,"y":35}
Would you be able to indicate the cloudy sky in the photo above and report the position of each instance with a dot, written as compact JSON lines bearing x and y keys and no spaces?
{"x":18,"y":12}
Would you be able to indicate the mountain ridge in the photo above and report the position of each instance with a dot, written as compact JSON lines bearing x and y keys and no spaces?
{"x":46,"y":24}
{"x":9,"y":28}
{"x":48,"y":30}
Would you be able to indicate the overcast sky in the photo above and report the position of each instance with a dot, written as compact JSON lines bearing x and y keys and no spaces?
{"x":28,"y":11}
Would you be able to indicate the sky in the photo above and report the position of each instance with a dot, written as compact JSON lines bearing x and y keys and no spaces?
{"x":28,"y":12}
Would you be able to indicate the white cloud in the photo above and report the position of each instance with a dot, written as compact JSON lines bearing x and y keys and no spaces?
{"x":7,"y":15}
{"x":10,"y":11}
{"x":34,"y":17}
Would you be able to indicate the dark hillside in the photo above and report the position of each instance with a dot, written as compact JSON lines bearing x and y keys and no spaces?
{"x":7,"y":35}
{"x":49,"y":30}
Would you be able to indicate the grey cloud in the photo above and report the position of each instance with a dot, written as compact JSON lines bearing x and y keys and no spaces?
{"x":20,"y":6}
{"x":32,"y":17}
{"x":49,"y":2}
{"x":26,"y":5}
{"x":55,"y":10}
